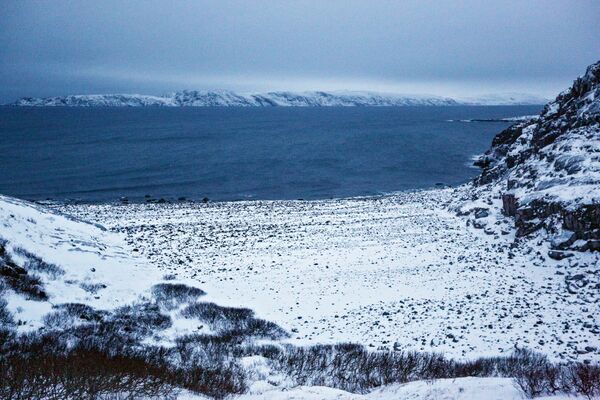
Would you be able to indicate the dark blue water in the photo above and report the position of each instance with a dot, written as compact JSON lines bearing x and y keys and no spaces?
{"x":102,"y":154}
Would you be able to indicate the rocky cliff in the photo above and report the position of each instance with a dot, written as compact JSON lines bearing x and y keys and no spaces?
{"x":547,"y":170}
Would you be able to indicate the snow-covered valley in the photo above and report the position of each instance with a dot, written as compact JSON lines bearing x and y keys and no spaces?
{"x":411,"y":271}
{"x":399,"y":271}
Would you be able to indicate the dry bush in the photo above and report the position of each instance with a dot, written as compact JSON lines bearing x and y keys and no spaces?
{"x":584,"y":379}
{"x":18,"y":279}
{"x":34,"y":263}
{"x":233,"y":322}
{"x":171,"y":295}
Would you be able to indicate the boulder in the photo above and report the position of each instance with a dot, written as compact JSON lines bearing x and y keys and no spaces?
{"x":559,"y":255}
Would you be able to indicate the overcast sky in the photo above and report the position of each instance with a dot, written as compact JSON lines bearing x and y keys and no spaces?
{"x":454,"y":48}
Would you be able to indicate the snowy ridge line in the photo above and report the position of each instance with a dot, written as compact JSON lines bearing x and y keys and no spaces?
{"x":193,"y":98}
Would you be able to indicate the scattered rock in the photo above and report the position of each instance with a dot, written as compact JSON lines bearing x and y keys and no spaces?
{"x":559,"y":255}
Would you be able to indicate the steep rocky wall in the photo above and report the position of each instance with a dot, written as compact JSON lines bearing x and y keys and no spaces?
{"x":547,"y":170}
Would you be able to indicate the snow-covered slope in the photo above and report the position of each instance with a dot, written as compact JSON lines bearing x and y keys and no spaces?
{"x":194,"y":98}
{"x":547,"y":170}
{"x":50,"y":262}
{"x":86,"y":263}
{"x":441,"y":389}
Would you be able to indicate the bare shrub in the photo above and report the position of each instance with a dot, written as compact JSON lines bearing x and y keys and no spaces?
{"x":18,"y":279}
{"x":171,"y":295}
{"x":42,"y":369}
{"x":50,"y":366}
{"x":34,"y":263}
{"x":6,"y":318}
{"x":533,"y":373}
{"x":207,"y":364}
{"x":92,"y":288}
{"x":214,"y":314}
{"x":584,"y":379}
{"x":21,"y":282}
{"x":219,"y":382}
{"x":69,"y":314}
{"x":351,"y":367}
{"x":142,"y":318}
{"x":235,"y":322}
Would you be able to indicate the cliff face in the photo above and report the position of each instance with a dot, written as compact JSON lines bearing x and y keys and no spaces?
{"x":547,"y":170}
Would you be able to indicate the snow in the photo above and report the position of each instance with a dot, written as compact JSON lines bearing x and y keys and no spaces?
{"x":86,"y":253}
{"x":441,"y":389}
{"x":551,"y":166}
{"x":89,"y":256}
{"x":399,"y":271}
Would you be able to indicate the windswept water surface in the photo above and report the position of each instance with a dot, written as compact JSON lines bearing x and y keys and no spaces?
{"x":102,"y":154}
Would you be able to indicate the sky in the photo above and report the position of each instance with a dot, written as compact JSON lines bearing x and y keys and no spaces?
{"x":450,"y":48}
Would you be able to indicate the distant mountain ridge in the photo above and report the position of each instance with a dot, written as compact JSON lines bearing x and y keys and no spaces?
{"x":194,"y":98}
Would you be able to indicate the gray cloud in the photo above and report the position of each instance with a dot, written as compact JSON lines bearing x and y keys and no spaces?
{"x":437,"y":47}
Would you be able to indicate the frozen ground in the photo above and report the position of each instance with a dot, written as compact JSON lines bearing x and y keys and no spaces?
{"x":442,"y":389}
{"x":88,"y":262}
{"x":398,"y":271}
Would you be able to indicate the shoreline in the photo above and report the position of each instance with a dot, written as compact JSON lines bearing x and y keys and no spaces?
{"x":185,"y":200}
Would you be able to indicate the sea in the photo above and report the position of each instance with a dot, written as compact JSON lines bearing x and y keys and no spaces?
{"x":142,"y":154}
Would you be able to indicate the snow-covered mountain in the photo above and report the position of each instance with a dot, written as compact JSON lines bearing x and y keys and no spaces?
{"x":503,"y":99}
{"x":547,"y":170}
{"x":192,"y":98}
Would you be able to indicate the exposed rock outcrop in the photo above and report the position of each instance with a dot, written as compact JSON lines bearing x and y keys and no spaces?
{"x":547,"y":170}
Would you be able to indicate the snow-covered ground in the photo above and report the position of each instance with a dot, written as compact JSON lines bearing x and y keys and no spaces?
{"x":399,"y":271}
{"x":88,"y":265}
{"x":441,"y":389}
{"x":90,"y":261}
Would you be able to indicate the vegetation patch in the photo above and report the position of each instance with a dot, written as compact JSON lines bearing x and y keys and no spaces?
{"x":171,"y":295}
{"x":231,"y":321}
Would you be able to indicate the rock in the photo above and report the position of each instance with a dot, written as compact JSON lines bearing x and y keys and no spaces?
{"x":576,"y":277}
{"x":478,"y":225}
{"x":509,"y":204}
{"x":559,"y":255}
{"x":481,"y":213}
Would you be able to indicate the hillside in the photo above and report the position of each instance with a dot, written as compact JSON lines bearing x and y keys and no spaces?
{"x":193,"y":98}
{"x":547,"y":170}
